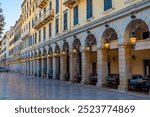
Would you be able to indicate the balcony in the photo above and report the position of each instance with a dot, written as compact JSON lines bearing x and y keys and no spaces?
{"x":70,"y":3}
{"x":25,"y":34}
{"x":42,"y":3}
{"x":49,"y":15}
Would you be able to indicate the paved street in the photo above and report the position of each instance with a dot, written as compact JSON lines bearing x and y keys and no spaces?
{"x":16,"y":86}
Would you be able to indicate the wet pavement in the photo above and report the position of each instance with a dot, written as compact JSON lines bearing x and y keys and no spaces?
{"x":15,"y":86}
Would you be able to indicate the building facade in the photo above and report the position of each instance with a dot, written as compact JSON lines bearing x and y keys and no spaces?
{"x":84,"y":40}
{"x":4,"y":50}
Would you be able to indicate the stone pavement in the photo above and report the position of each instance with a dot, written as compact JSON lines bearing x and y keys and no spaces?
{"x":15,"y":86}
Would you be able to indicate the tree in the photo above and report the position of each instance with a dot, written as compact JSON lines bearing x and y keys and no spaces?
{"x":2,"y":21}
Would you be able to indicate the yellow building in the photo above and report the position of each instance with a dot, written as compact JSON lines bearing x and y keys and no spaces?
{"x":86,"y":40}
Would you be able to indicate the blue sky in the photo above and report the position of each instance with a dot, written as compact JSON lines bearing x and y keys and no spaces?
{"x":11,"y":11}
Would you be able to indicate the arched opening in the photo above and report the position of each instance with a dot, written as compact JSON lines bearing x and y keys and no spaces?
{"x":139,"y":52}
{"x":111,"y":58}
{"x":65,"y":71}
{"x":76,"y":61}
{"x":44,"y":64}
{"x":91,"y":60}
{"x":50,"y":61}
{"x":57,"y":62}
{"x":139,"y":27}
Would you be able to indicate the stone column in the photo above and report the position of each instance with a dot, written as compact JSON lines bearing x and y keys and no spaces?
{"x":27,"y":67}
{"x":63,"y":67}
{"x":24,"y":67}
{"x":31,"y":69}
{"x":85,"y":67}
{"x":102,"y":68}
{"x":35,"y":67}
{"x":51,"y":66}
{"x":73,"y":66}
{"x":42,"y":70}
{"x":38,"y":69}
{"x":125,"y":66}
{"x":48,"y":67}
{"x":54,"y":67}
{"x":43,"y":67}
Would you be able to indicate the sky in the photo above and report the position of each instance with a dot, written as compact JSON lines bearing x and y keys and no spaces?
{"x":11,"y":11}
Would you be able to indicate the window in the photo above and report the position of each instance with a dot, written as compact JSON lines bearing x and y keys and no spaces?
{"x":27,"y":5}
{"x":33,"y":8}
{"x":32,"y":23}
{"x":45,"y":10}
{"x":89,"y":9}
{"x":44,"y":33}
{"x":39,"y":35}
{"x":29,"y":25}
{"x":39,"y":14}
{"x":107,"y":4}
{"x":35,"y":38}
{"x":65,"y":21}
{"x":36,"y":18}
{"x":30,"y":41}
{"x":76,"y":15}
{"x":36,"y":4}
{"x":57,"y":26}
{"x":30,"y":12}
{"x":50,"y":5}
{"x":50,"y":29}
{"x":57,"y":6}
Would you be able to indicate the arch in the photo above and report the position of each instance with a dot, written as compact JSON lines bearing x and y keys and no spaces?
{"x":65,"y":46}
{"x":76,"y":43}
{"x":35,"y":54}
{"x":57,"y":48}
{"x":50,"y":50}
{"x":32,"y":55}
{"x":109,"y":34}
{"x":90,"y":40}
{"x":44,"y":51}
{"x":138,"y":26}
{"x":39,"y":52}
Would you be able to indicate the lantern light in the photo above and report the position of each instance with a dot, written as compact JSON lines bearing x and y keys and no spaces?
{"x":55,"y":54}
{"x":50,"y":55}
{"x":88,"y":47}
{"x":74,"y":50}
{"x":133,"y":38}
{"x":107,"y":44}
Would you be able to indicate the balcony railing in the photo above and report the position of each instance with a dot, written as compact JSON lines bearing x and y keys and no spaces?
{"x":70,"y":3}
{"x":25,"y":34}
{"x":44,"y":19}
{"x":42,"y":3}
